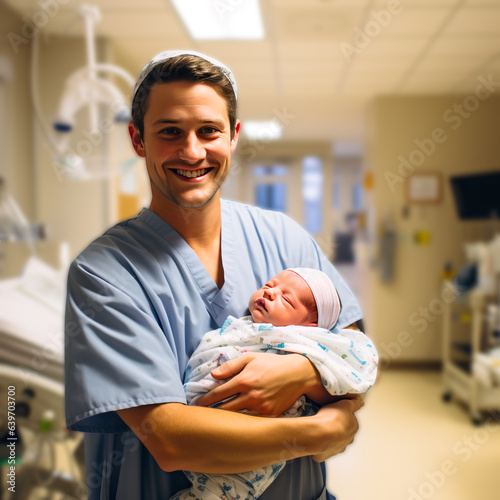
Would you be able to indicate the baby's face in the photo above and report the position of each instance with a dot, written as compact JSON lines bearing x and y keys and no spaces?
{"x":284,"y":300}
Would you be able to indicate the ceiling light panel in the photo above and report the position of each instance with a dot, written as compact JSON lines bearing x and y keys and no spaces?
{"x":221,"y":19}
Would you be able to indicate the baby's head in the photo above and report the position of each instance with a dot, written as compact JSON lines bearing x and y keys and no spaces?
{"x":297,"y":296}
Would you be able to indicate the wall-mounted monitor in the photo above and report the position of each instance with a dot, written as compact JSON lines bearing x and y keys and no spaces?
{"x":477,"y":196}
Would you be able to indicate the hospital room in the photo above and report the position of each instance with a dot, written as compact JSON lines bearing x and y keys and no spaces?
{"x":373,"y":124}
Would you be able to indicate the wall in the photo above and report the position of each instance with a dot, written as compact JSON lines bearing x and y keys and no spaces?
{"x":16,"y":129}
{"x":466,"y":141}
{"x":132,"y":190}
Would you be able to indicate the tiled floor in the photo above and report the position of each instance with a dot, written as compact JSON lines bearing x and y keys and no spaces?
{"x":413,"y":446}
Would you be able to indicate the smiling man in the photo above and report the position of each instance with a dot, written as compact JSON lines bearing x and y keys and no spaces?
{"x":189,"y":143}
{"x":141,"y":296}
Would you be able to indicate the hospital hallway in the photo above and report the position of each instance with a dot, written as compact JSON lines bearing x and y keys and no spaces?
{"x":413,"y":446}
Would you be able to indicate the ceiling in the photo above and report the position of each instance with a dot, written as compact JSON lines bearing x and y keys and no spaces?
{"x":321,"y":61}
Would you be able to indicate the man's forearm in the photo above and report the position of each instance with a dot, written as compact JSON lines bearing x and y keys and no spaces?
{"x":218,"y":441}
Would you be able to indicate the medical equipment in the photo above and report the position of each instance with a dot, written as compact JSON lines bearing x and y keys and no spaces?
{"x":14,"y":226}
{"x":31,"y":379}
{"x":35,"y":428}
{"x":85,"y":88}
{"x":474,"y":377}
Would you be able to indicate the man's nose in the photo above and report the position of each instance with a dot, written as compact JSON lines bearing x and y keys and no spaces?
{"x":191,"y":150}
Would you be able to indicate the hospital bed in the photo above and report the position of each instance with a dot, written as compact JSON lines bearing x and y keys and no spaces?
{"x":31,"y":319}
{"x":48,"y":459}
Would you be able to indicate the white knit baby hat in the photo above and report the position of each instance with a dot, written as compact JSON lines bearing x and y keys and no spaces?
{"x":324,"y":293}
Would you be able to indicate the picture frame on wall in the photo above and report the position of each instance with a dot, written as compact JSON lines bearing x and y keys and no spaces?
{"x":424,"y":188}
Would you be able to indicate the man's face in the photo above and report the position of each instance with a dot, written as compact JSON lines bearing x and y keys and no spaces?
{"x":187,"y":143}
{"x":284,"y":300}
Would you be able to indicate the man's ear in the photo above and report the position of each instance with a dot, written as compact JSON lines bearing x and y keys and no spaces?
{"x":136,"y":138}
{"x":234,"y":139}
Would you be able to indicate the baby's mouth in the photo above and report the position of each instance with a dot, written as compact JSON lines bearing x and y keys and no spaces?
{"x":191,"y":174}
{"x":261,"y":303}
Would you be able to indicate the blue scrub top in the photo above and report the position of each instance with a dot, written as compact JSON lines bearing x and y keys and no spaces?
{"x":139,"y":301}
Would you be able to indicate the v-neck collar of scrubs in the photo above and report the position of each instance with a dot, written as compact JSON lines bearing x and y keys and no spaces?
{"x":216,"y":298}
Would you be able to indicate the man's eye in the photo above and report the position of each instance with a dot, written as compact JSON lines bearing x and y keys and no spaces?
{"x":170,"y":131}
{"x":209,"y":130}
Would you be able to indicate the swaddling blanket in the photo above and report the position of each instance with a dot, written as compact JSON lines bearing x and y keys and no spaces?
{"x":346,"y":359}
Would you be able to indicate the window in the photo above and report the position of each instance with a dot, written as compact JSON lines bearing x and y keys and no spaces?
{"x":312,"y":193}
{"x":270,"y":170}
{"x":357,"y":197}
{"x":271,"y":196}
{"x":271,"y":190}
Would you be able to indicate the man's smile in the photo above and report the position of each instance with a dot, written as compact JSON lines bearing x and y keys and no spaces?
{"x":191,"y":174}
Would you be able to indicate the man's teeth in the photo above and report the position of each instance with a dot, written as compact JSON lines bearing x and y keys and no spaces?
{"x":192,"y":173}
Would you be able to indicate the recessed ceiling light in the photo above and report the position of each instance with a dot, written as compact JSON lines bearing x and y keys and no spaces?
{"x":263,"y":130}
{"x":221,"y":19}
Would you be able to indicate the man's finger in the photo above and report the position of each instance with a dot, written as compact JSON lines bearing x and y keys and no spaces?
{"x":230,"y":368}
{"x":234,"y":404}
{"x":220,"y":393}
{"x":351,"y":404}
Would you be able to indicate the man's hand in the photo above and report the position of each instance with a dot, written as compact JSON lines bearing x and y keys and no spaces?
{"x":263,"y":383}
{"x":340,"y":418}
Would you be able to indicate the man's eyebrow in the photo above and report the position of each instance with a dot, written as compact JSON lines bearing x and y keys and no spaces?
{"x":219,"y":123}
{"x":166,"y":120}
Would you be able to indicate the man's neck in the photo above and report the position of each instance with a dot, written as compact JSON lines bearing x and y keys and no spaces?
{"x":191,"y":223}
{"x":201,"y":229}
